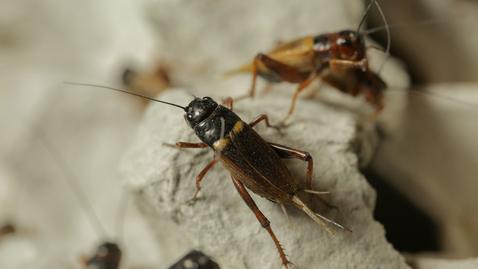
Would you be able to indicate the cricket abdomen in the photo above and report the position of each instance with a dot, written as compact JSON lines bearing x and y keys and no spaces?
{"x":249,"y":158}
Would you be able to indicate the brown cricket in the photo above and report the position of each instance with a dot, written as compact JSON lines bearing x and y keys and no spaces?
{"x":338,"y":58}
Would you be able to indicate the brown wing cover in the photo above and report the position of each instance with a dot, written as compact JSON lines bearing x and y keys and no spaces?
{"x":257,"y":166}
{"x":297,"y":54}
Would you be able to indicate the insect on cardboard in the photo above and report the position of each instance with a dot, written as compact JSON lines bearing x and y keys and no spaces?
{"x":338,"y":58}
{"x":252,"y":162}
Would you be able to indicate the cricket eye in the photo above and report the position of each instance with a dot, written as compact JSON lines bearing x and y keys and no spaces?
{"x":346,"y":42}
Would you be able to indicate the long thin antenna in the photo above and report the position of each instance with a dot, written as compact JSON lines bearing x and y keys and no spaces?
{"x":436,"y":95}
{"x":121,"y":216}
{"x":72,"y":181}
{"x":118,"y":90}
{"x":13,"y":206}
{"x":365,"y":14}
{"x":387,"y":51}
{"x":419,"y":23}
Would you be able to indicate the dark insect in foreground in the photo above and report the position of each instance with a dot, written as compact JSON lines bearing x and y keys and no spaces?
{"x":338,"y":58}
{"x":107,"y":256}
{"x":252,"y":162}
{"x":195,"y":260}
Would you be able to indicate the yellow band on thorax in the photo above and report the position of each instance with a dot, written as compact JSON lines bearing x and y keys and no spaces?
{"x":221,"y":143}
{"x":238,"y":127}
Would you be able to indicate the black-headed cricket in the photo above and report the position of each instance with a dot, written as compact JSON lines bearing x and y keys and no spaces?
{"x":252,"y":162}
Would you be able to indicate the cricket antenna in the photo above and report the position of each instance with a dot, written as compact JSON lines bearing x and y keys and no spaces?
{"x":121,"y":216}
{"x":404,"y":24}
{"x":118,"y":90}
{"x":387,"y":51}
{"x":365,"y":14}
{"x":433,"y":94}
{"x":72,"y":181}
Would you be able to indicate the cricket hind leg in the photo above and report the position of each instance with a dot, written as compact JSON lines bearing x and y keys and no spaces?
{"x":265,"y":223}
{"x":276,"y":70}
{"x":287,"y":153}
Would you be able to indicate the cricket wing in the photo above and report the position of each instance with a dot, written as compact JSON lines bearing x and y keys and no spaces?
{"x":294,"y":44}
{"x":262,"y":158}
{"x":297,"y":54}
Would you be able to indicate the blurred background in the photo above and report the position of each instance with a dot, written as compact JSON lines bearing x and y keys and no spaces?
{"x":425,"y":172}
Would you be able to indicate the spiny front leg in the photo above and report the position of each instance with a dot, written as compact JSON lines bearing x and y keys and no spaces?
{"x":337,"y":64}
{"x":265,"y":223}
{"x":186,"y":145}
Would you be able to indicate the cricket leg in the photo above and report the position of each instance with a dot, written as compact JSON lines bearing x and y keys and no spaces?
{"x":260,"y":118}
{"x":186,"y":145}
{"x":376,"y":100}
{"x":203,"y":172}
{"x":228,"y":102}
{"x":286,"y":153}
{"x":265,"y":223}
{"x":276,"y":70}
{"x":334,"y":83}
{"x":267,"y":88}
{"x":254,"y":79}
{"x":374,"y":115}
{"x":199,"y":178}
{"x":337,"y":64}
{"x":301,"y":86}
{"x":313,"y":90}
